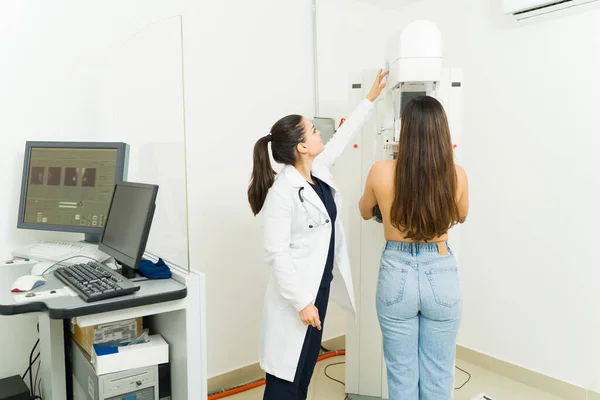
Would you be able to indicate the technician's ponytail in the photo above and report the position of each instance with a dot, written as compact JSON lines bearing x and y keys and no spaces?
{"x":263,"y":175}
{"x":285,"y":135}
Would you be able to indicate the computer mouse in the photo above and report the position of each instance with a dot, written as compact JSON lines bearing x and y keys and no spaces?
{"x":26,"y":283}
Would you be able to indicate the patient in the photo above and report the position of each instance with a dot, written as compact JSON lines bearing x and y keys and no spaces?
{"x":421,"y":195}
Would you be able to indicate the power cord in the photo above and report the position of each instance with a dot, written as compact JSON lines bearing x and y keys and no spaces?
{"x":36,"y":378}
{"x":61,"y":261}
{"x":467,"y":381}
{"x":29,"y":370}
{"x":333,"y":379}
{"x":346,"y":398}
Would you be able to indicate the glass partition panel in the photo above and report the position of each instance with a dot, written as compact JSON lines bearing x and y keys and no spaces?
{"x":146,"y":80}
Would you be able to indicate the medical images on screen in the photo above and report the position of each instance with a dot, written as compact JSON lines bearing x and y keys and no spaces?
{"x":70,"y":187}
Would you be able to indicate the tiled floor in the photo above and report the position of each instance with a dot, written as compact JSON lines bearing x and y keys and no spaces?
{"x":498,"y":387}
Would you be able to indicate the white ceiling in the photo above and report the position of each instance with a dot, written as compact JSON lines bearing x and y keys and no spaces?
{"x":389,"y":4}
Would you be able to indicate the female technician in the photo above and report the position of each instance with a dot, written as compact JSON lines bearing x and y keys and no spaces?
{"x":303,"y":241}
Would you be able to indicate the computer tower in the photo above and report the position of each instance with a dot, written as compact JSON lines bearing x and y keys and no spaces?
{"x":164,"y":381}
{"x":13,"y":388}
{"x":138,"y":384}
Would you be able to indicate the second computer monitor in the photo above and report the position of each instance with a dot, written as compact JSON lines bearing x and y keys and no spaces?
{"x":326,"y":126}
{"x":128,"y":224}
{"x":67,"y":186}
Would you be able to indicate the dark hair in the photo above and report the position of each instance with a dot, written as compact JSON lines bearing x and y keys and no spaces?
{"x":284,"y":137}
{"x":425,"y":187}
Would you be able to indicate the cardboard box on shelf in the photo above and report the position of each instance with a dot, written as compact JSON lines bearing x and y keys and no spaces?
{"x":123,"y":331}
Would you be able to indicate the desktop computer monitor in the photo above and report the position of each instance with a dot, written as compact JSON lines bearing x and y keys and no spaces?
{"x":67,"y":186}
{"x":128,"y":224}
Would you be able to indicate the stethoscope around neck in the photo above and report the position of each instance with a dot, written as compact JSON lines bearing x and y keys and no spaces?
{"x":316,"y":224}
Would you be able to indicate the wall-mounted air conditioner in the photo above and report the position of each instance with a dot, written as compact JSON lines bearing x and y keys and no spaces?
{"x":523,"y":9}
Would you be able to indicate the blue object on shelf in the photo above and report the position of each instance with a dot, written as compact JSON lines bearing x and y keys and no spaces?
{"x":150,"y":270}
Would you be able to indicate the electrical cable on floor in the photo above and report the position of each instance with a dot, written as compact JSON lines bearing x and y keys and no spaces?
{"x":467,"y":381}
{"x":242,"y":388}
{"x":333,"y":379}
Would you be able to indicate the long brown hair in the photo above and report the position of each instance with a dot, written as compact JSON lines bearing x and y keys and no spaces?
{"x":425,"y":200}
{"x":285,"y":135}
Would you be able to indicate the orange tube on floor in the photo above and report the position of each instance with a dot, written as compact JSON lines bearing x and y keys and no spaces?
{"x":263,"y":381}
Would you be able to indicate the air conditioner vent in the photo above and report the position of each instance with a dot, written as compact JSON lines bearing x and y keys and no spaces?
{"x":523,"y":9}
{"x":556,"y":3}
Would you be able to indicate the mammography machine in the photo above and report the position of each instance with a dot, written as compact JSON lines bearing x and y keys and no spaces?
{"x":415,"y":70}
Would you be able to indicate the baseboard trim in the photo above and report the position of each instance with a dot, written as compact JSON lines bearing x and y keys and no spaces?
{"x":253,"y":372}
{"x":536,"y":380}
{"x":526,"y":376}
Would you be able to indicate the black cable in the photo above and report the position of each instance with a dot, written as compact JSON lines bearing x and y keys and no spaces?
{"x":325,"y":350}
{"x":467,"y":381}
{"x":36,"y":377}
{"x":31,"y":355}
{"x":31,"y":388}
{"x":39,"y":386}
{"x":29,"y":368}
{"x":333,"y":379}
{"x":61,"y":261}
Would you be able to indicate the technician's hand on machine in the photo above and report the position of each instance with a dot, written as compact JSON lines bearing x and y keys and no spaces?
{"x":310,"y":316}
{"x":378,"y":85}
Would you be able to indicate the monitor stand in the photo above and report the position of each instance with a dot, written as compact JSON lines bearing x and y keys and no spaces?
{"x":93,"y":238}
{"x":126,"y":271}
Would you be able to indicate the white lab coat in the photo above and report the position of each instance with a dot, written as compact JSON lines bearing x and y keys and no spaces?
{"x":297,"y":253}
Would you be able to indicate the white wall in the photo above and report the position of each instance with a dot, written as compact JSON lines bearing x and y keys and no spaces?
{"x":246,"y":65}
{"x":530,"y":148}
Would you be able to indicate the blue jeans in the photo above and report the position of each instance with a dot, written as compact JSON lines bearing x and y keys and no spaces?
{"x":419,"y":309}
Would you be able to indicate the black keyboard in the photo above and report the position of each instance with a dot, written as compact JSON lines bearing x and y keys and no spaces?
{"x":94,"y":281}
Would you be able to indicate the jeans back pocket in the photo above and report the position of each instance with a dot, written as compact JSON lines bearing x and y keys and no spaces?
{"x":390,"y":285}
{"x":444,"y":285}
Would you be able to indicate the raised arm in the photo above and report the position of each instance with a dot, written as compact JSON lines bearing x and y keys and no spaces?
{"x":353,"y":125}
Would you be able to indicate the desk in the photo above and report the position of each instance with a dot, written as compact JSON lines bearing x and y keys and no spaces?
{"x":176,"y":308}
